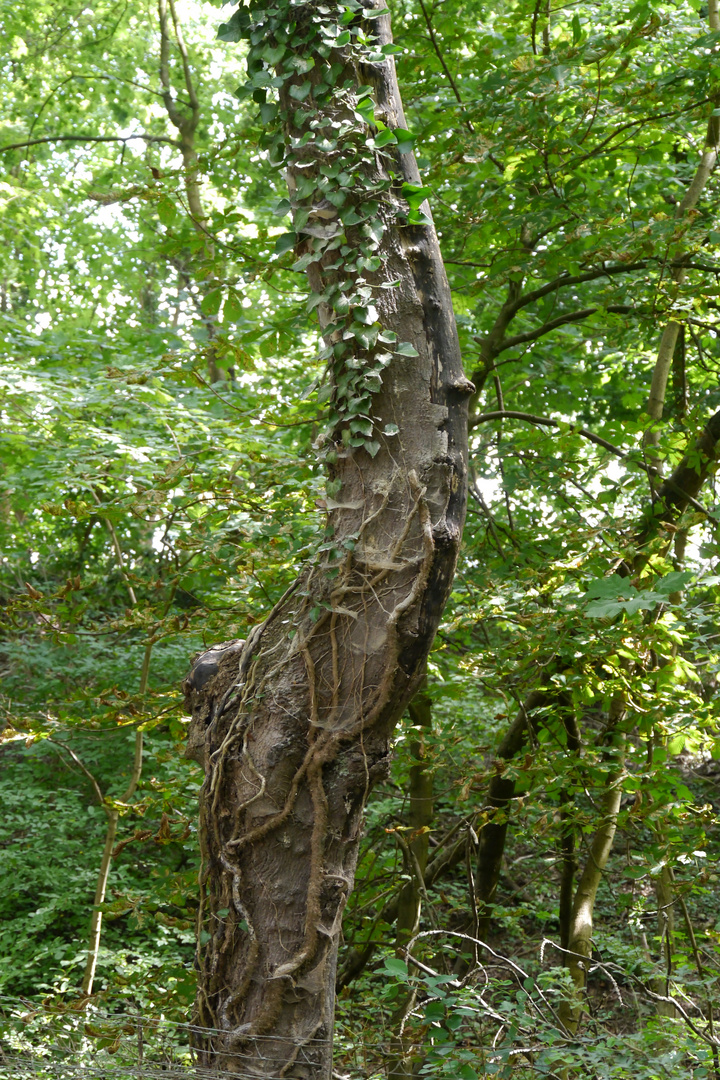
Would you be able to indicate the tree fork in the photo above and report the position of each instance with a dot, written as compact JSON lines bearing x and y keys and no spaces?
{"x":294,"y":725}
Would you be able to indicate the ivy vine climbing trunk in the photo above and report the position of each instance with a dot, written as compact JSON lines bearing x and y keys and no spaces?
{"x":294,"y":725}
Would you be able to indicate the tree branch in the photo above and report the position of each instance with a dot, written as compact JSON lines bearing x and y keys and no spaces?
{"x":578,"y":279}
{"x":173,"y":112}
{"x":638,"y":122}
{"x":546,"y":421}
{"x":189,"y":85}
{"x":96,"y":787}
{"x":677,"y":492}
{"x":438,"y":53}
{"x":88,"y":139}
{"x":669,"y":336}
{"x":562,"y":320}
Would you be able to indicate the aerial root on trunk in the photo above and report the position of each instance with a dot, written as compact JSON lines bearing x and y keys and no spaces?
{"x":359,"y":586}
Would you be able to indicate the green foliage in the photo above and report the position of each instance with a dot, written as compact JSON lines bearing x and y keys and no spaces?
{"x":52,"y":834}
{"x":344,"y":192}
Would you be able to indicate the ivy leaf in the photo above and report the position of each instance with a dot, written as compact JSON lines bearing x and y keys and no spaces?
{"x":384,"y":138}
{"x":299,"y":93}
{"x":268,"y":112}
{"x":236,"y":26}
{"x":361,"y":426}
{"x":416,"y":217}
{"x":415,"y":194}
{"x":365,"y":336}
{"x":405,"y":140}
{"x":365,"y":110}
{"x":273,"y":54}
{"x":285,"y":242}
{"x":304,"y":261}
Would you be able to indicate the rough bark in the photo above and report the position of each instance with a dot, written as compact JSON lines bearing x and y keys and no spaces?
{"x":294,"y":725}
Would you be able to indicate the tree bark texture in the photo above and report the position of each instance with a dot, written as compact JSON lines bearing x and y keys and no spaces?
{"x":294,"y":725}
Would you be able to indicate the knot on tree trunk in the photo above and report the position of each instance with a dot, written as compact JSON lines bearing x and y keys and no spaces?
{"x":206,"y":685}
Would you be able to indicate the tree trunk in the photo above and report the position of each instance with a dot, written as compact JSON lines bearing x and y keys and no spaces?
{"x":568,"y":861}
{"x":415,"y":851}
{"x":500,"y":794}
{"x":294,"y":725}
{"x":672,"y":329}
{"x":415,"y":855}
{"x":581,"y":917}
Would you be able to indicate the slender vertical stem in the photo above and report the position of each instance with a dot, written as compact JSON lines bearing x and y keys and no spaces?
{"x":669,"y":337}
{"x":415,"y":853}
{"x":187,"y":122}
{"x":665,"y":896}
{"x":111,"y":813}
{"x":501,"y":408}
{"x":501,"y":791}
{"x":113,"y":816}
{"x":568,"y":860}
{"x":96,"y":921}
{"x":581,"y":924}
{"x":701,"y":972}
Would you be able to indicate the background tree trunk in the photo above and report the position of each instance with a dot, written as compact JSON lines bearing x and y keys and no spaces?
{"x":294,"y":726}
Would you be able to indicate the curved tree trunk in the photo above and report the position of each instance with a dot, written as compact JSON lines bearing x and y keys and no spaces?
{"x":295,"y":724}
